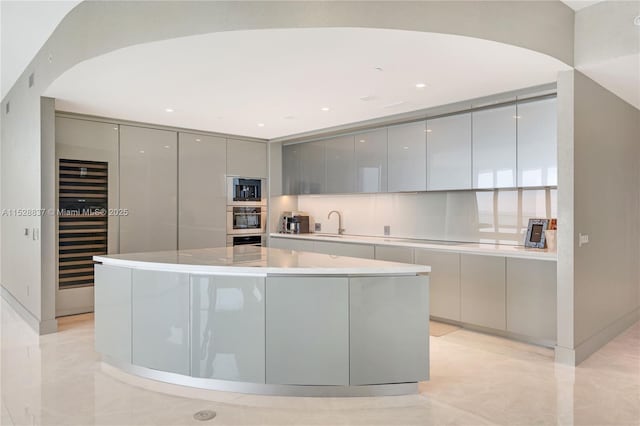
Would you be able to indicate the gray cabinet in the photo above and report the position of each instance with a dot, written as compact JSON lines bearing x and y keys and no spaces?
{"x":394,"y":254}
{"x":246,"y":158}
{"x":202,"y":196}
{"x":444,"y":282}
{"x":291,"y":244}
{"x":494,"y":147}
{"x":148,"y":189}
{"x":407,"y":157}
{"x":312,"y":168}
{"x":371,"y":161}
{"x":538,"y":143}
{"x":227,"y":328}
{"x":382,"y":329}
{"x":364,"y":251}
{"x":340,"y":164}
{"x":160,"y":320}
{"x":113,"y":312}
{"x":291,"y":175}
{"x":483,"y":290}
{"x":315,"y":349}
{"x":532,"y":298}
{"x":449,"y":152}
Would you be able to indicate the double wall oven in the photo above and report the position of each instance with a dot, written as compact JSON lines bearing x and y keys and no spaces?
{"x":246,"y":211}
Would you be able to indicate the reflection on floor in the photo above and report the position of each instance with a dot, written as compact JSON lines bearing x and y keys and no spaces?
{"x":476,"y":380}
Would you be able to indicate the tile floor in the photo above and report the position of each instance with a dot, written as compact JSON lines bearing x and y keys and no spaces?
{"x":476,"y":380}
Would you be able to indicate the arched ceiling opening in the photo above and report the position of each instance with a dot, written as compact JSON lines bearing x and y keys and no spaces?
{"x":274,"y":83}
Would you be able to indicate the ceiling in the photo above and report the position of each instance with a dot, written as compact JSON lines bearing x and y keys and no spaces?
{"x":24,"y":27}
{"x":580,"y":4}
{"x":275,"y":83}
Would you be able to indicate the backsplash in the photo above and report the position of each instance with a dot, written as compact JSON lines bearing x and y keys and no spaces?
{"x":499,"y":216}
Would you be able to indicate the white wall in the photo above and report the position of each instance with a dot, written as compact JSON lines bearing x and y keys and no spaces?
{"x":470,"y":216}
{"x":607,"y":208}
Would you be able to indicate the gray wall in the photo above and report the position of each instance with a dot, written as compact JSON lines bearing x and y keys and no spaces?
{"x":606,"y":206}
{"x":95,"y":28}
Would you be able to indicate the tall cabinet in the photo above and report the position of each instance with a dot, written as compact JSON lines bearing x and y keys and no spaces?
{"x":202,"y":200}
{"x":149,"y":189}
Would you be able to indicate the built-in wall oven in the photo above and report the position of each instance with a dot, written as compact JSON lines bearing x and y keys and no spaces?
{"x":246,"y":240}
{"x":246,"y":220}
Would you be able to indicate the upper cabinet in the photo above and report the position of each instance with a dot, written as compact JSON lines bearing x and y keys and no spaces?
{"x":506,"y":146}
{"x":312,"y":167}
{"x":246,"y":158}
{"x":371,"y":161}
{"x":538,"y":143}
{"x":148,"y":189}
{"x":449,"y":152}
{"x":202,"y":200}
{"x":407,"y":157}
{"x":494,"y":147}
{"x":340,"y":163}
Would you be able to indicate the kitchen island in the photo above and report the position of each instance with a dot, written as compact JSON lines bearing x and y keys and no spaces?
{"x":264,"y":320}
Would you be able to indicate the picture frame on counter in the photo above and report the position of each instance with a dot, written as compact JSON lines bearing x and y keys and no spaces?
{"x":536,"y":233}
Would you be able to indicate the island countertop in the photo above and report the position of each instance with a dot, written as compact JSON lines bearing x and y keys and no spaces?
{"x":257,"y":261}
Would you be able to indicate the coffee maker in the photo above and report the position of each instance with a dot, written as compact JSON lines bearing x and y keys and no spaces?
{"x":295,"y":223}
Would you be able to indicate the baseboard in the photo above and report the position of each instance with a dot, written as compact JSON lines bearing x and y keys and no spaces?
{"x":585,"y":349}
{"x":40,"y":327}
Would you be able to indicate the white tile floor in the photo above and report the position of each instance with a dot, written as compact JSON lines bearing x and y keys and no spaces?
{"x":476,"y":379}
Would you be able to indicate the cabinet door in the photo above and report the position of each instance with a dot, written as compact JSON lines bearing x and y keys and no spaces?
{"x":227,"y":328}
{"x":494,"y":147}
{"x":482,"y":281}
{"x":307,"y":330}
{"x":160,"y":318}
{"x":291,"y":169}
{"x":148,"y":189}
{"x":444,"y":282}
{"x":532,"y":298}
{"x":408,"y":157}
{"x":312,"y":168}
{"x":202,"y":212}
{"x":538,"y":143}
{"x":449,"y":152}
{"x":113,"y":312}
{"x":371,"y":161}
{"x":364,"y":251}
{"x":394,"y":254}
{"x":340,"y":164}
{"x":389,"y":343}
{"x":246,"y":158}
{"x":291,"y":244}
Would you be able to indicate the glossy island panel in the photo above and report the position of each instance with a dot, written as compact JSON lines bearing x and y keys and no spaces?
{"x":321,"y":334}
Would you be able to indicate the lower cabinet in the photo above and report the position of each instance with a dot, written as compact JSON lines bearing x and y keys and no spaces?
{"x":314,"y":350}
{"x":227,"y":328}
{"x":291,"y":244}
{"x":161,"y":341}
{"x":113,"y":312}
{"x":444,"y":282}
{"x":532,"y":298}
{"x":383,"y":329}
{"x":483,"y":290}
{"x":394,"y":254}
{"x":364,"y":251}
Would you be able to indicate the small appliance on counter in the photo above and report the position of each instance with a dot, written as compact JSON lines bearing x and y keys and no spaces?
{"x":295,"y":223}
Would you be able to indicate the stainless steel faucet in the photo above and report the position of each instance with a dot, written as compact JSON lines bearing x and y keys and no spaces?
{"x":340,"y":228}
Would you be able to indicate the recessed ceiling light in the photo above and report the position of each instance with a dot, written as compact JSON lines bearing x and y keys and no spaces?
{"x":168,"y":109}
{"x":260,"y":124}
{"x":378,"y":69}
{"x":141,"y":152}
{"x":405,"y":147}
{"x":361,"y":140}
{"x":421,"y":85}
{"x":325,"y":109}
{"x":428,"y":130}
{"x":167,"y":146}
{"x":198,"y":139}
{"x":636,"y":20}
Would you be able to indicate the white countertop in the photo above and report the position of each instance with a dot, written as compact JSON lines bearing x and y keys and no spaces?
{"x":470,"y":248}
{"x":257,"y":261}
